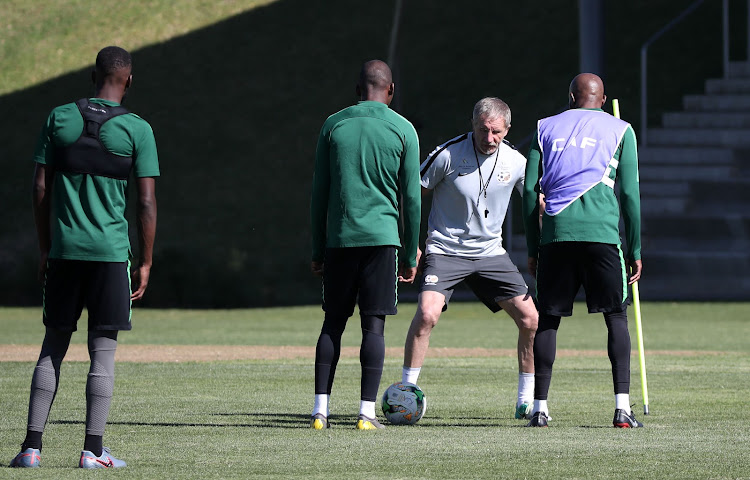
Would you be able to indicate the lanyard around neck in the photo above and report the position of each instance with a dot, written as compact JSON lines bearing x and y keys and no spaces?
{"x":482,"y":184}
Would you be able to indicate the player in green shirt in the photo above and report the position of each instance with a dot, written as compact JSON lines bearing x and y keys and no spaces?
{"x":365,"y":186}
{"x":86,"y":154}
{"x":574,"y":161}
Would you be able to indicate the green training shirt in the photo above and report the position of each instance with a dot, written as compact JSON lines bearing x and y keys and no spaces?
{"x":595,"y":216}
{"x":367,"y":155}
{"x":88,"y":211}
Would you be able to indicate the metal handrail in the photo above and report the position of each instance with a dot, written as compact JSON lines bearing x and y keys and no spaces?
{"x":644,"y":57}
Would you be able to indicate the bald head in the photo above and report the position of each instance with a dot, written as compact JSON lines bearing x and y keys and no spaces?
{"x":586,"y":91}
{"x":375,"y":82}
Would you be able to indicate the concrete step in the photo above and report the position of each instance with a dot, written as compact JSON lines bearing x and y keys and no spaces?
{"x":694,"y":287}
{"x":685,"y":243}
{"x":716,"y":103}
{"x":726,"y":192}
{"x":651,"y":205}
{"x":683,"y":137}
{"x":708,"y":205}
{"x":698,"y":227}
{"x":706,"y":119}
{"x":738,"y":70}
{"x":688,"y":172}
{"x":728,"y":85}
{"x":684,"y":156}
{"x":676,"y":262}
{"x":696,"y":276}
{"x":651,"y":188}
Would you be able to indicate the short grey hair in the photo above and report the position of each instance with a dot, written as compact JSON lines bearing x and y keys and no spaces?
{"x":491,"y":107}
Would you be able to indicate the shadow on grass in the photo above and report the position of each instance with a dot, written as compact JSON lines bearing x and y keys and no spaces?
{"x":296,"y":420}
{"x":261,"y":420}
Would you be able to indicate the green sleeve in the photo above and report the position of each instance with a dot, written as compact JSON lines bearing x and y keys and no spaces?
{"x":630,"y":199}
{"x":44,"y":148}
{"x":531,"y":197}
{"x":411,"y":194}
{"x":319,"y":201}
{"x":146,"y":159}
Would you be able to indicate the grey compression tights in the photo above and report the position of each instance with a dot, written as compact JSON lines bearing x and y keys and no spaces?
{"x":99,"y":385}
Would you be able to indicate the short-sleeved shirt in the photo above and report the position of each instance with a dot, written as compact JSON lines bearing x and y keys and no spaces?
{"x":88,"y":211}
{"x":366,"y":182}
{"x":466,"y":218}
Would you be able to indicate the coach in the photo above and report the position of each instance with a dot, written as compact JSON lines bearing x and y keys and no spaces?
{"x":472,"y":178}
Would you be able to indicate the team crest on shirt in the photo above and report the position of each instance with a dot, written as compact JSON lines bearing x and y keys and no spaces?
{"x":503,"y":176}
{"x":430,"y":279}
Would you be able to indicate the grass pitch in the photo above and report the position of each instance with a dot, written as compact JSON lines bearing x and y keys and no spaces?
{"x":249,"y":419}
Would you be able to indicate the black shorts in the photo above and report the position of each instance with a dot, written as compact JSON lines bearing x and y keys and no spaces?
{"x":492,"y":279}
{"x":367,"y":272}
{"x":102,"y":287}
{"x":566,"y":266}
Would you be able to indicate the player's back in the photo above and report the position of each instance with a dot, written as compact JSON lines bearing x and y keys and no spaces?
{"x":367,"y":143}
{"x":89,"y":206}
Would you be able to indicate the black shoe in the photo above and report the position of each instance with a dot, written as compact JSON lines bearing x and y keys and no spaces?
{"x":539,"y":419}
{"x":625,"y":420}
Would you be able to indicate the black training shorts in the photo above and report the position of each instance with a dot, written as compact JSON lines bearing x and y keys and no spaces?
{"x":369,"y":272}
{"x":564,"y":267}
{"x":102,"y":287}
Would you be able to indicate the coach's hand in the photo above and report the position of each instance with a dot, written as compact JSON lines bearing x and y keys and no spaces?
{"x":139,"y":281}
{"x":317,"y":268}
{"x":532,"y":266}
{"x":636,"y":266}
{"x":407,"y":274}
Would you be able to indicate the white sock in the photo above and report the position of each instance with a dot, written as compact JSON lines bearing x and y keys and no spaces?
{"x":525,"y":388}
{"x":367,"y":409}
{"x":540,"y":406}
{"x":321,"y":404}
{"x":622,"y":401}
{"x":410,"y":374}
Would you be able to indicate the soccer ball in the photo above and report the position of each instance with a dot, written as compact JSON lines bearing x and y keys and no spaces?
{"x":404,"y":403}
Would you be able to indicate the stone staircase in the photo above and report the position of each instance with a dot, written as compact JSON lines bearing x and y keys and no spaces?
{"x":695,"y":196}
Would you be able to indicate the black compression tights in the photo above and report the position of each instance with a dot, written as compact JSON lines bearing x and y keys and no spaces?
{"x":371,"y":354}
{"x":545,"y":346}
{"x":618,"y":349}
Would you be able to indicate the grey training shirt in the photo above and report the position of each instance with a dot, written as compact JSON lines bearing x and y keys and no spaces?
{"x":463,"y":220}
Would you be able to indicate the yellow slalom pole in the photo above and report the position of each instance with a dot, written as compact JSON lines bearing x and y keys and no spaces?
{"x":637,"y":306}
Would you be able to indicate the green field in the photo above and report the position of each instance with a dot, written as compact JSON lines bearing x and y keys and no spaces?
{"x":248,"y":418}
